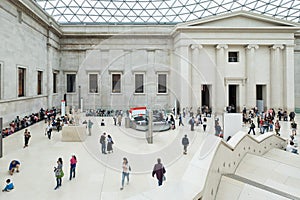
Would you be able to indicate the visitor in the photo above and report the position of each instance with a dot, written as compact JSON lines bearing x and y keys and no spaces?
{"x":172,"y":121}
{"x":159,"y":170}
{"x":58,"y":173}
{"x":49,"y":130}
{"x":102,"y":123}
{"x":115,"y":120}
{"x":277,"y":127}
{"x":180,"y":120}
{"x":103,"y":143}
{"x":291,"y":148}
{"x":204,"y":124}
{"x":125,"y":172}
{"x":9,"y":186}
{"x":294,"y":128}
{"x":218,"y":130}
{"x":14,"y":165}
{"x":292,"y":116}
{"x":185,"y":143}
{"x":110,"y":142}
{"x":90,"y":125}
{"x":26,"y":138}
{"x":73,"y":162}
{"x":119,"y":120}
{"x":192,"y":123}
{"x":252,"y":127}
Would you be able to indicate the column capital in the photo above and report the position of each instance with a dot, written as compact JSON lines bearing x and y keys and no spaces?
{"x":252,"y":46}
{"x":277,"y":46}
{"x":222,"y":46}
{"x":196,"y":46}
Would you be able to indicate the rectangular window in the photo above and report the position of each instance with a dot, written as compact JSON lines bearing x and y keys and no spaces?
{"x":71,"y":83}
{"x":93,"y":83}
{"x":139,"y":83}
{"x":21,"y":81}
{"x":162,"y":83}
{"x":39,"y":82}
{"x":54,"y":82}
{"x":233,"y":56}
{"x":116,"y":83}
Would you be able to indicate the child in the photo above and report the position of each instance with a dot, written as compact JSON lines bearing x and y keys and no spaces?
{"x":9,"y":186}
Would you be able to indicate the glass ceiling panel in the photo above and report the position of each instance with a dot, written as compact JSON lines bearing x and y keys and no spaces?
{"x":161,"y":11}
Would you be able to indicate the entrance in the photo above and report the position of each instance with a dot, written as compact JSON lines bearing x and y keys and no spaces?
{"x":260,"y":97}
{"x":205,"y":96}
{"x":233,"y":98}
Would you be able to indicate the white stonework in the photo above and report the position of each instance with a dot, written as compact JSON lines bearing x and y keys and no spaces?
{"x":191,"y":55}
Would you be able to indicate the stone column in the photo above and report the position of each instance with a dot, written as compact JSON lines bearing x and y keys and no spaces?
{"x":195,"y":71}
{"x":250,"y":74}
{"x":220,"y":94}
{"x":276,"y":77}
{"x":49,"y":74}
{"x":185,"y":77}
{"x":289,"y":87}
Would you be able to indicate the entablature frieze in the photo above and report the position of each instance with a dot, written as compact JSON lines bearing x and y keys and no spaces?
{"x":235,"y":80}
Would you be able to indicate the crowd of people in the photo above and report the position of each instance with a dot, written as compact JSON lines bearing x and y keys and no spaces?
{"x":20,"y":123}
{"x":266,"y":121}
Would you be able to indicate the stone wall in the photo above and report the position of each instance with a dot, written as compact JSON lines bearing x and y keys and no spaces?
{"x":25,"y":43}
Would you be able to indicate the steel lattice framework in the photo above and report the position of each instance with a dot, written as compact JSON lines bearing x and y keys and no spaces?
{"x":161,"y":11}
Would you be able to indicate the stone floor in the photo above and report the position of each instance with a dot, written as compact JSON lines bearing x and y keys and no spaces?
{"x":98,"y":175}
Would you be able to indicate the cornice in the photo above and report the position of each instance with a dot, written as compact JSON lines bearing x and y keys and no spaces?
{"x":37,"y":14}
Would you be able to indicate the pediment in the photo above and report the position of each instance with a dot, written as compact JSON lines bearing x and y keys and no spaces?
{"x":240,"y":19}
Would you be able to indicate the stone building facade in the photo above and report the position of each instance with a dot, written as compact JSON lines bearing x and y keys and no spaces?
{"x":240,"y":59}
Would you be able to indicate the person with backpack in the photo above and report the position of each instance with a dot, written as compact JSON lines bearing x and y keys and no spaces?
{"x":252,"y":127}
{"x":58,"y":173}
{"x":159,"y":170}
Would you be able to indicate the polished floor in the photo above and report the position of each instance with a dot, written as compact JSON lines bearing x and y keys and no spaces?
{"x":98,"y":176}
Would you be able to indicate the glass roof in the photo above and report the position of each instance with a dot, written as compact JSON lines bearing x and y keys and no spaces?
{"x":161,"y":11}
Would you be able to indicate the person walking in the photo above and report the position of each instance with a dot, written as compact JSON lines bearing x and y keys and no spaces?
{"x":58,"y":173}
{"x":73,"y":162}
{"x":26,"y":138}
{"x":125,"y":172}
{"x":103,"y":143}
{"x":204,"y":124}
{"x":110,"y":142}
{"x":9,"y":186}
{"x":252,"y":127}
{"x":192,"y":123}
{"x":277,"y":128}
{"x":159,"y":170}
{"x":294,"y":128}
{"x":90,"y":125}
{"x":115,"y":120}
{"x":49,"y":130}
{"x":119,"y":120}
{"x":180,"y":120}
{"x":185,"y":143}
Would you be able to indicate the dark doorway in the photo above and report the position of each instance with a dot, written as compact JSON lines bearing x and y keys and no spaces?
{"x":260,"y":97}
{"x":205,"y":96}
{"x":232,"y":95}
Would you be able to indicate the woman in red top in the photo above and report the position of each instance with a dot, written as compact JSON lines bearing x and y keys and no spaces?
{"x":73,"y":162}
